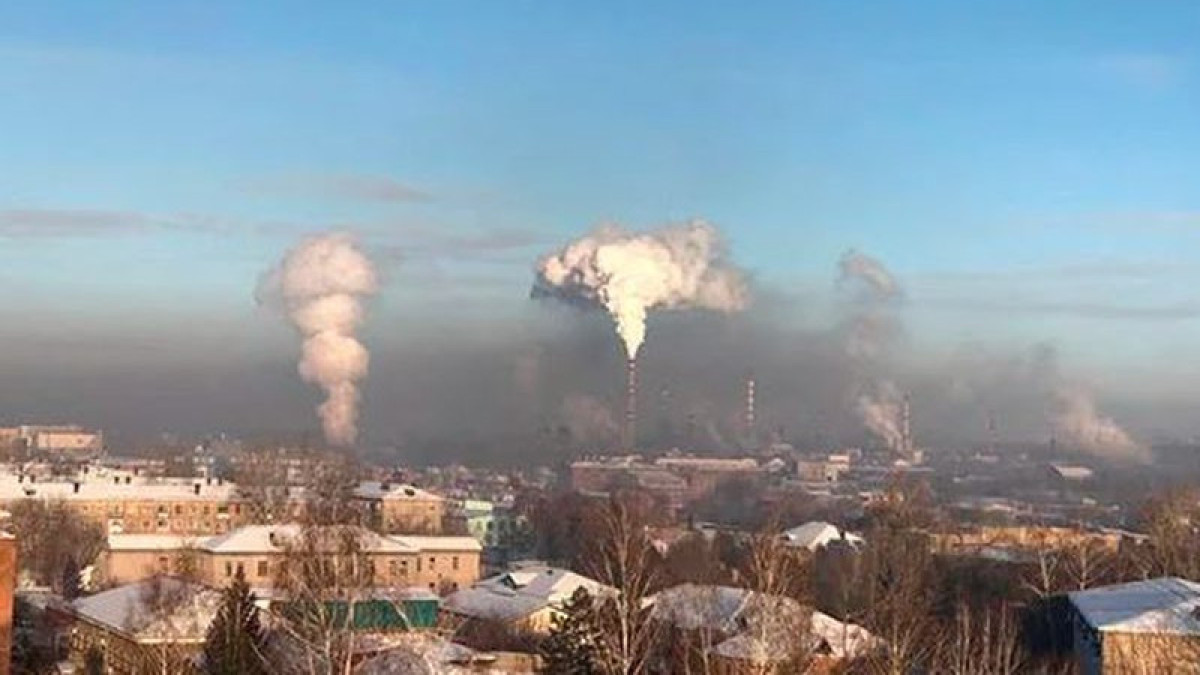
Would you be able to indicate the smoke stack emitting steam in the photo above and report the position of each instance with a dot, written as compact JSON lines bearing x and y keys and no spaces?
{"x":629,"y":274}
{"x":321,"y":284}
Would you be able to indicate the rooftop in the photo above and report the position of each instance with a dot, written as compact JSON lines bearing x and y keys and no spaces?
{"x":1162,"y":605}
{"x":160,"y":609}
{"x":520,"y":592}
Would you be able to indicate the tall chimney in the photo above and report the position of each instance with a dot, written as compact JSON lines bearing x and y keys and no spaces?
{"x":906,"y":440}
{"x":629,"y":433}
{"x":749,"y":418}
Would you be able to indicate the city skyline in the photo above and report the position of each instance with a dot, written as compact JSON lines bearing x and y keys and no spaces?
{"x":1025,"y":172}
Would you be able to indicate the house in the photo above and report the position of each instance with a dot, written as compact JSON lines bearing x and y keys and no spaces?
{"x":1149,"y":626}
{"x":154,"y":625}
{"x":818,"y":534}
{"x":740,"y":631}
{"x":527,"y":597}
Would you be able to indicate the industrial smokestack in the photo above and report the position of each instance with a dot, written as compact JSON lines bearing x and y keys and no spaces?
{"x":906,"y":439}
{"x":629,"y":433}
{"x":750,"y":413}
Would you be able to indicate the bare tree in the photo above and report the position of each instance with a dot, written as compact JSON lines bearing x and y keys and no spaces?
{"x":981,"y":643}
{"x":621,"y":555}
{"x":53,"y":534}
{"x":325,"y":573}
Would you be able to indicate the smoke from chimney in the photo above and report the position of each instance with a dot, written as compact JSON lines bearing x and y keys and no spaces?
{"x":629,"y":274}
{"x":1078,"y":423}
{"x":321,"y":284}
{"x":882,"y":412}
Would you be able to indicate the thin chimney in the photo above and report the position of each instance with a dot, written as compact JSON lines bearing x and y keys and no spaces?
{"x":750,"y":412}
{"x":629,"y":435}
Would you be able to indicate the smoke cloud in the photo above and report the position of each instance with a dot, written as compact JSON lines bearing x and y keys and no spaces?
{"x":1079,"y":425}
{"x":630,"y":274}
{"x":873,"y":278}
{"x":881,"y":411}
{"x":321,"y":285}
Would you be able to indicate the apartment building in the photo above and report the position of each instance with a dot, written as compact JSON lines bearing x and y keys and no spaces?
{"x":399,"y":508}
{"x":121,"y":502}
{"x":435,"y":562}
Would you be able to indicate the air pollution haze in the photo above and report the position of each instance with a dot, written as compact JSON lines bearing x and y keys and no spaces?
{"x":631,"y":274}
{"x":321,"y":284}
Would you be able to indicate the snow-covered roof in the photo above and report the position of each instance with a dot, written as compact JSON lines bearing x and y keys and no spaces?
{"x":437,"y":543}
{"x":816,"y":534}
{"x":403,"y":491}
{"x":13,"y":488}
{"x":153,"y":610}
{"x":1162,"y":605}
{"x":422,"y":654}
{"x":723,"y":608}
{"x":763,"y":628}
{"x":521,"y":592}
{"x":1071,"y":472}
{"x":274,"y":538}
{"x":152,"y":542}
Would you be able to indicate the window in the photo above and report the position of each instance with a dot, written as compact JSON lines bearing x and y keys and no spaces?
{"x":454,"y":563}
{"x":228,"y":568}
{"x":432,"y":563}
{"x":164,"y":563}
{"x":392,"y":570}
{"x":179,"y":509}
{"x":263,"y":568}
{"x":404,"y":568}
{"x":241,"y":568}
{"x":418,"y":564}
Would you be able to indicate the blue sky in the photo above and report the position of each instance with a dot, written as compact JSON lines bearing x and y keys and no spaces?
{"x":1029,"y":169}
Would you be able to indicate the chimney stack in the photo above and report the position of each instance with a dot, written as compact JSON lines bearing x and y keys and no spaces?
{"x":629,"y":435}
{"x":750,"y":413}
{"x":906,"y":439}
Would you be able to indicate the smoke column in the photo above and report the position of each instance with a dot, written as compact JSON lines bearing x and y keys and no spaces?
{"x":630,"y":274}
{"x":882,"y":409}
{"x":321,"y":285}
{"x":882,"y":412}
{"x":1079,"y":424}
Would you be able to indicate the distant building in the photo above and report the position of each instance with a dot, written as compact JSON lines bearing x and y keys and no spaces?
{"x":818,"y":534}
{"x":122,"y":502}
{"x":400,"y":508}
{"x":71,"y":440}
{"x":432,"y":562}
{"x":1150,"y":626}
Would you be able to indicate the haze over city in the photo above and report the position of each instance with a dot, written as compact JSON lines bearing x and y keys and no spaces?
{"x":1024,"y":174}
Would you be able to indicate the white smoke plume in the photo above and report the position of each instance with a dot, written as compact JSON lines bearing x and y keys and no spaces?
{"x":1079,"y":425}
{"x":869,"y":273}
{"x":630,"y":274}
{"x":882,"y":412}
{"x":321,"y":285}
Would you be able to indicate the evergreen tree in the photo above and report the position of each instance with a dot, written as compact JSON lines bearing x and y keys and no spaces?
{"x":572,"y":646}
{"x":235,"y":637}
{"x":70,"y":579}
